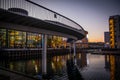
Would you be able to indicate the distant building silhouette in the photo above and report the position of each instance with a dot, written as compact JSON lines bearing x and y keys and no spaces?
{"x":107,"y":39}
{"x":83,"y":43}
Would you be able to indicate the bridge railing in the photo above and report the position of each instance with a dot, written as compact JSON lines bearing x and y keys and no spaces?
{"x":37,"y":11}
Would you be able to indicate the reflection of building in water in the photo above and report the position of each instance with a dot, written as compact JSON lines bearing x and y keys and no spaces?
{"x":117,"y":67}
{"x":30,"y":67}
{"x":107,"y":62}
{"x":114,"y":62}
{"x":58,"y":64}
{"x":81,"y":60}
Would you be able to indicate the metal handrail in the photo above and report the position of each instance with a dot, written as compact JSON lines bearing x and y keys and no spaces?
{"x":37,"y":11}
{"x":54,"y":12}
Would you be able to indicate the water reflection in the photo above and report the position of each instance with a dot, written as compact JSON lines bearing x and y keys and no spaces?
{"x":56,"y":65}
{"x":92,"y":67}
{"x":95,"y":69}
{"x":102,"y":67}
{"x":31,"y":67}
{"x":81,"y":60}
{"x":113,"y":65}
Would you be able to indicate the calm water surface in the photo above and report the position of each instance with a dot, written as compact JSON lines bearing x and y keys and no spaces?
{"x":92,"y":66}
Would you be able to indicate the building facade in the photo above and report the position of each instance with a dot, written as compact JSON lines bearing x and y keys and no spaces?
{"x":114,"y":29}
{"x":10,"y":38}
{"x":83,"y":43}
{"x":24,"y":22}
{"x":106,"y":39}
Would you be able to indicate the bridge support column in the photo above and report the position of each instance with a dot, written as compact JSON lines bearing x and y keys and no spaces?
{"x":74,"y":52}
{"x":44,"y":55}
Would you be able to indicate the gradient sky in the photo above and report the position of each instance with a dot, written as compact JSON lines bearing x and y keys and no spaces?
{"x":92,"y":15}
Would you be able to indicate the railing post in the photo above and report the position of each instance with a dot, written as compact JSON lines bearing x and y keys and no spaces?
{"x":44,"y":55}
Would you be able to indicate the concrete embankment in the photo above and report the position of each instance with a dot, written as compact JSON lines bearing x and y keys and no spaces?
{"x":108,"y":51}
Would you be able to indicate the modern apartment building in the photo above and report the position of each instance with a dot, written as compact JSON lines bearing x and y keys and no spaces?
{"x":114,"y":29}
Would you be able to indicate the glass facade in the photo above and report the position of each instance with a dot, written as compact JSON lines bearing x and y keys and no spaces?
{"x":33,"y":40}
{"x":10,"y":38}
{"x":19,"y":39}
{"x":16,"y":39}
{"x":2,"y":37}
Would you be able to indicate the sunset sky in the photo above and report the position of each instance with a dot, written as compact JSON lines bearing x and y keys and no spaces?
{"x":92,"y":15}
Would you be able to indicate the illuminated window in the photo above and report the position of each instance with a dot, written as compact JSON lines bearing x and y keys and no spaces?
{"x":2,"y":37}
{"x":17,"y":39}
{"x":112,"y":33}
{"x":111,"y":21}
{"x":33,"y":40}
{"x":11,"y":38}
{"x":20,"y":38}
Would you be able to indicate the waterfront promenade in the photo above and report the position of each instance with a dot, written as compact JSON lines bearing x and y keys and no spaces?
{"x":12,"y":75}
{"x":6,"y":74}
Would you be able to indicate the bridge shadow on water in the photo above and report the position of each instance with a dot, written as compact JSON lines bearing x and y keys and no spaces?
{"x":72,"y":71}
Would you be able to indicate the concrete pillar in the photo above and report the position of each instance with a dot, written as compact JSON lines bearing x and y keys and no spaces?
{"x":70,"y":49}
{"x":44,"y":54}
{"x":74,"y":52}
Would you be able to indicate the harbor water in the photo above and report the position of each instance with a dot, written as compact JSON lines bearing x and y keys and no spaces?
{"x":91,"y":66}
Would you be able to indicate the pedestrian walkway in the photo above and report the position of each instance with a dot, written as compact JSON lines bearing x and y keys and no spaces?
{"x":64,"y":77}
{"x":9,"y":75}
